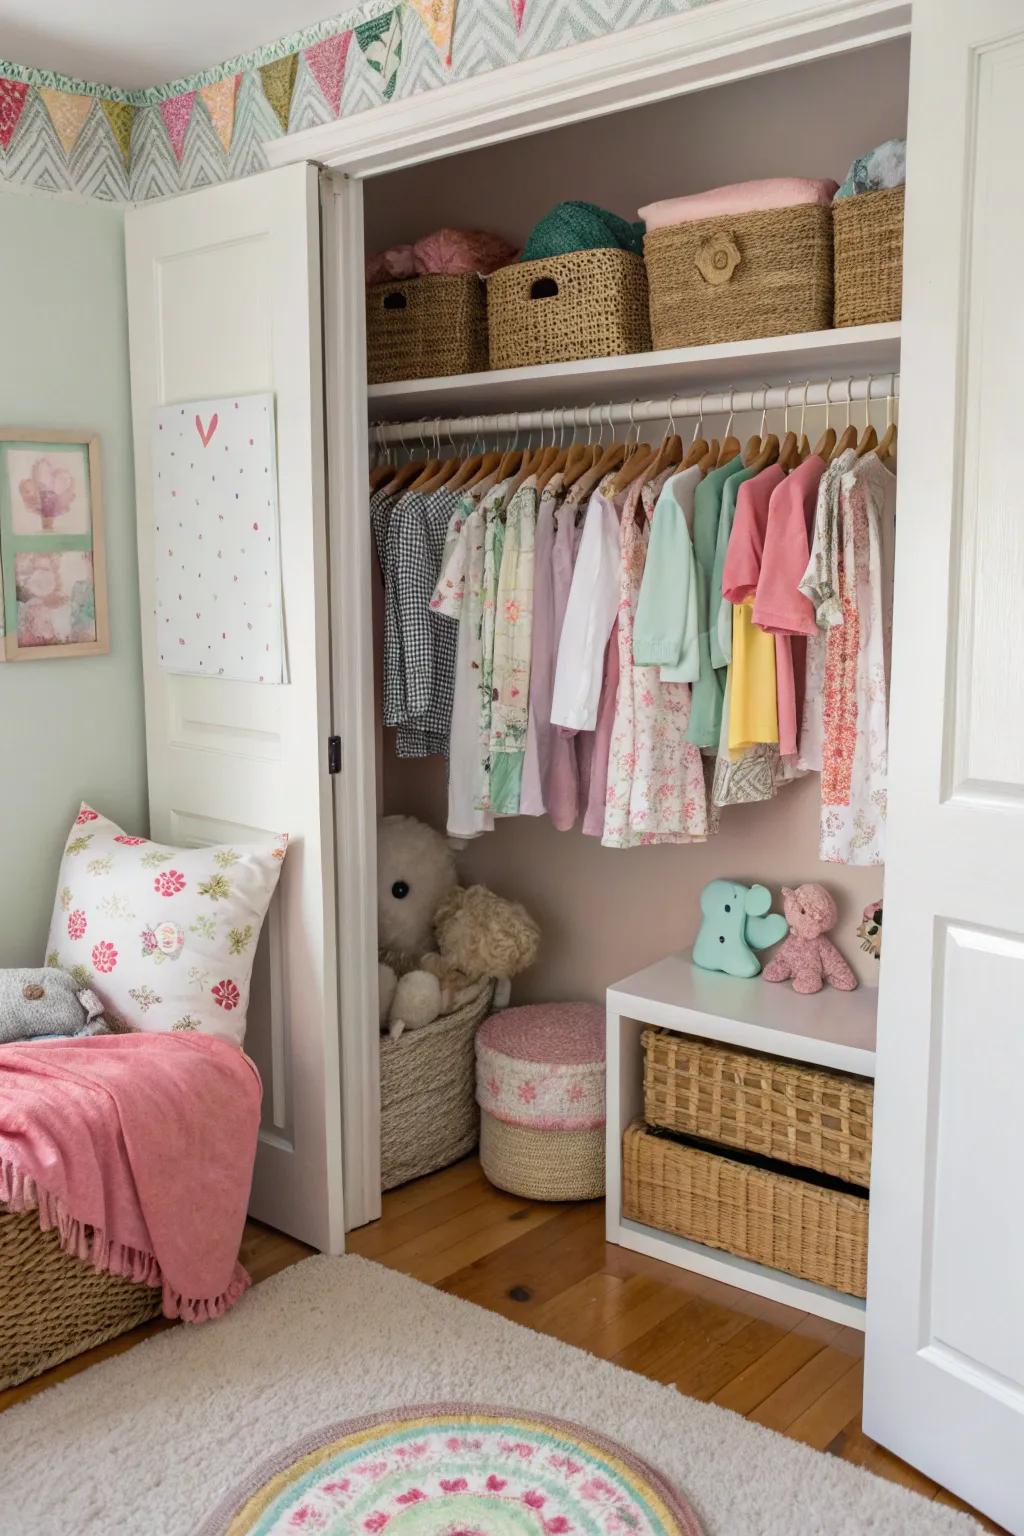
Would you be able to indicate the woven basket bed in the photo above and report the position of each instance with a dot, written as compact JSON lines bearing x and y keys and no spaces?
{"x":868,"y":231}
{"x":732,"y":279}
{"x":808,"y":1116}
{"x":52,"y":1306}
{"x":426,"y":327}
{"x":428,"y":1112}
{"x":560,"y":308}
{"x":794,"y":1224}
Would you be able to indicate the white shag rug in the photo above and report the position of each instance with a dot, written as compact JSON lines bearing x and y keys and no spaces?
{"x":150,"y":1442}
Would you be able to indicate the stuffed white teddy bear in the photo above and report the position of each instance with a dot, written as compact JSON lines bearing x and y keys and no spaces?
{"x":438,"y":941}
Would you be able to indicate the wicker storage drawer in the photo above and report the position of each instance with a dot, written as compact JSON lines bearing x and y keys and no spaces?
{"x":52,"y":1306}
{"x":586,"y":304}
{"x":426,"y":327}
{"x":868,"y":231}
{"x":428,"y":1112}
{"x":758,"y":274}
{"x":787,"y":1223}
{"x":808,"y":1116}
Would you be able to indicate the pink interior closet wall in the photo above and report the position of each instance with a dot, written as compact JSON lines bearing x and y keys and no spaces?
{"x":605,"y":912}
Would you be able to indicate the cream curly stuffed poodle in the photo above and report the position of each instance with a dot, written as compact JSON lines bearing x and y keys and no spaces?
{"x":807,"y":956}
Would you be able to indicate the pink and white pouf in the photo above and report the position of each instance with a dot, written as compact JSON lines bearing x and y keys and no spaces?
{"x":540,"y":1084}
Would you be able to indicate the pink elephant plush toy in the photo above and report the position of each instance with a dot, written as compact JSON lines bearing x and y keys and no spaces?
{"x":807,"y":955}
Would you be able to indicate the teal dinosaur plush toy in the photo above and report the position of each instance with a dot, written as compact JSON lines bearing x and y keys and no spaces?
{"x":736,"y":921}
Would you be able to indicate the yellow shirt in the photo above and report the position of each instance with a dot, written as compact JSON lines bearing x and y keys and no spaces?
{"x":753,"y":708}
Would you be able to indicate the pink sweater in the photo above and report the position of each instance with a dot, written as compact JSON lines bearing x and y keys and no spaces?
{"x":743,"y":197}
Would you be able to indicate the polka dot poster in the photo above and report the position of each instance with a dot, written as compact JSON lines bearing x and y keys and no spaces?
{"x":217,"y":540}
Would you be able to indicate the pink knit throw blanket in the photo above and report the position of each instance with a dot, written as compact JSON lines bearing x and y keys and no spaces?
{"x":139,"y":1149}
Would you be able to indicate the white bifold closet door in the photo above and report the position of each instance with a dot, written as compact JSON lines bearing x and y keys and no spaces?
{"x":224,"y":298}
{"x":945,"y":1323}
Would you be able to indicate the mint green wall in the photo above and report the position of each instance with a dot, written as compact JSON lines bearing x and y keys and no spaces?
{"x":69,"y":730}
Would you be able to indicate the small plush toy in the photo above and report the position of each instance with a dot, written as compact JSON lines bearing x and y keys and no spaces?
{"x":870,"y":930}
{"x":47,"y":1002}
{"x":807,"y":955}
{"x":438,"y":941}
{"x":736,"y":921}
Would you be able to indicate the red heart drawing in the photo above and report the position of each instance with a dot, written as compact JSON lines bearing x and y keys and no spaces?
{"x":204,"y":437}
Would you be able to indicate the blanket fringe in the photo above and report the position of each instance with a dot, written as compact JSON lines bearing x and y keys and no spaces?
{"x":20,"y":1192}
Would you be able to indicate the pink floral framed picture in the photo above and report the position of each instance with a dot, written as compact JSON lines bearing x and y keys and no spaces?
{"x":53,"y":594}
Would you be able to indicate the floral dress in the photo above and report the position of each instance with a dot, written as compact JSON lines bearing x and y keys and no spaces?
{"x":655,"y":789}
{"x":855,"y":696}
{"x":820,"y":583}
{"x":513,"y":635}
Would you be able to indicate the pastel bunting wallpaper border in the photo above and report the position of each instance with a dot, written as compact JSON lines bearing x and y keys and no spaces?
{"x":61,"y":134}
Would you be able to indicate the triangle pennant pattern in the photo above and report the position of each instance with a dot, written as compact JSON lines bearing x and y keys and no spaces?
{"x":96,"y":163}
{"x":176,"y":113}
{"x":438,"y":16}
{"x":154,"y":170}
{"x":255,"y":122}
{"x":12,"y":103}
{"x":35,"y":155}
{"x":326,"y":63}
{"x":278,"y":84}
{"x":380,"y":41}
{"x":219,"y":101}
{"x":120,"y":115}
{"x":203,"y":160}
{"x":518,"y":12}
{"x":68,"y":111}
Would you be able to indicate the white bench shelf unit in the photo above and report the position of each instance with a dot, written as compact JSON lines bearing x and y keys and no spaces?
{"x":830,"y":1029}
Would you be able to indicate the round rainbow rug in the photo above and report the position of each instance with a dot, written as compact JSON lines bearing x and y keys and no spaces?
{"x":454,"y":1470}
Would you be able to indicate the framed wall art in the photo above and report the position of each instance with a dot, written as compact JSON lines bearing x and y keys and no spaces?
{"x":54,"y":593}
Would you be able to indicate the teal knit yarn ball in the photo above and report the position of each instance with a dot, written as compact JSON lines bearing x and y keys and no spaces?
{"x":582,"y":227}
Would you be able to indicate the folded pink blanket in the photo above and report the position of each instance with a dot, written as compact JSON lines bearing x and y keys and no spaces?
{"x":139,"y":1149}
{"x":742,"y":197}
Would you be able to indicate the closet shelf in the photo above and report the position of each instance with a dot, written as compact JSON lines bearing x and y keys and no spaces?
{"x":828,"y":1029}
{"x":814,"y":355}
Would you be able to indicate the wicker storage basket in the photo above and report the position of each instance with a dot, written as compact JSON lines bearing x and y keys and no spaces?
{"x":808,"y":1116}
{"x":426,"y":327}
{"x":787,"y":1223}
{"x":52,"y":1306}
{"x":542,"y":1165}
{"x":585,"y":304}
{"x":868,"y":231}
{"x":758,"y":274}
{"x":428,"y":1113}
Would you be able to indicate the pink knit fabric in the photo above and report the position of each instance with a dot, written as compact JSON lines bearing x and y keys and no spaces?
{"x":742,"y":197}
{"x":543,"y":1066}
{"x":139,"y":1150}
{"x":457,"y":251}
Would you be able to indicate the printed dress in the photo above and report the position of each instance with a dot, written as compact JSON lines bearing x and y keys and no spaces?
{"x":855,"y":702}
{"x":820,"y":583}
{"x":513,"y":637}
{"x":655,"y":787}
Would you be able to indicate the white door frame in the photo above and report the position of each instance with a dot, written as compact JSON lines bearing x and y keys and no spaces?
{"x":696,"y":50}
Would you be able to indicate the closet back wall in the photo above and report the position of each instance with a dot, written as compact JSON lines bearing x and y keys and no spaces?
{"x":69,"y":730}
{"x":806,"y":122}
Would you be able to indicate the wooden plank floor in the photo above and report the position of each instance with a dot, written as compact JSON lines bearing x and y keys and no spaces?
{"x":549,"y":1267}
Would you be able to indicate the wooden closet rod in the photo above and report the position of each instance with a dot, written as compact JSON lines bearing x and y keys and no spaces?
{"x":834,"y":392}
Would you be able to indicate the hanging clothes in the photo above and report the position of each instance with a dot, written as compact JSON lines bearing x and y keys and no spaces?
{"x":459,"y":594}
{"x":666,"y":630}
{"x":779,"y":605}
{"x":753,"y":709}
{"x":820,"y":584}
{"x":655,"y":787}
{"x":429,"y":639}
{"x":855,"y":707}
{"x":539,"y":730}
{"x":706,"y":708}
{"x":589,"y":616}
{"x":720,"y":612}
{"x":513,"y":634}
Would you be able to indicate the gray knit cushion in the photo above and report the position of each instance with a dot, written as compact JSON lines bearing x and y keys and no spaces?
{"x":48,"y":1002}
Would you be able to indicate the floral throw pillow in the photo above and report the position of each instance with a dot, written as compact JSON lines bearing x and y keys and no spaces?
{"x":165,"y":937}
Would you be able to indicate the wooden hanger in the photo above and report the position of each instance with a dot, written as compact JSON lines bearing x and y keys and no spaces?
{"x":789,"y":448}
{"x":730,"y":445}
{"x":488,"y":466}
{"x":698,"y":447}
{"x":848,"y":437}
{"x":827,"y":441}
{"x":380,"y":476}
{"x":869,"y":437}
{"x":710,"y":459}
{"x":887,"y":445}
